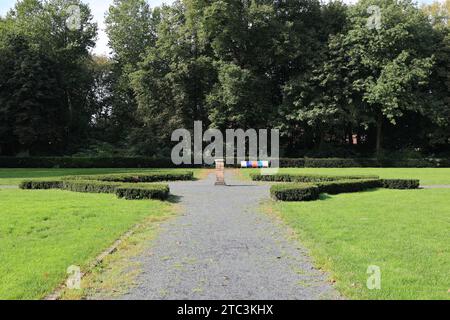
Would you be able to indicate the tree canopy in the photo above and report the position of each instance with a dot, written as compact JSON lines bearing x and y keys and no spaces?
{"x":322,"y":73}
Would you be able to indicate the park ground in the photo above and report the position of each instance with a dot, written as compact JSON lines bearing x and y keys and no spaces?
{"x":405,"y":233}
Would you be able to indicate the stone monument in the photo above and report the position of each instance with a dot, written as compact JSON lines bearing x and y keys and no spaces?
{"x":220,"y":172}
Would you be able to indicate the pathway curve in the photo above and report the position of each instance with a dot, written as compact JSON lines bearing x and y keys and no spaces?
{"x":222,"y":247}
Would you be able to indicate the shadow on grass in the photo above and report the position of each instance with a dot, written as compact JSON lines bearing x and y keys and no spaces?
{"x":326,"y":196}
{"x":174,"y":199}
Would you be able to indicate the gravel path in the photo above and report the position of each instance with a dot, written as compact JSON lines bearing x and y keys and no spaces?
{"x":222,"y":247}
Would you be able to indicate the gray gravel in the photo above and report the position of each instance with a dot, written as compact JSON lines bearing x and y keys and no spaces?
{"x":222,"y":247}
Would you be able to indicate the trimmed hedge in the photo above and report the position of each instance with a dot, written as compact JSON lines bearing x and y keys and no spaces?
{"x":88,"y":162}
{"x":149,"y":162}
{"x":40,"y":184}
{"x":128,"y":186}
{"x":135,"y":192}
{"x":311,"y":191}
{"x":307,"y":177}
{"x":138,"y":177}
{"x":400,"y":184}
{"x":295,"y":192}
{"x":348,"y":186}
{"x":363,"y":163}
{"x":90,"y":186}
{"x":127,"y":191}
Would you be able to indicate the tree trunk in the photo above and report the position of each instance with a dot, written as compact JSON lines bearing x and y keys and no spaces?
{"x":379,"y":134}
{"x":321,"y":139}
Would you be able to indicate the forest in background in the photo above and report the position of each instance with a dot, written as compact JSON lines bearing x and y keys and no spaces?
{"x":313,"y":70}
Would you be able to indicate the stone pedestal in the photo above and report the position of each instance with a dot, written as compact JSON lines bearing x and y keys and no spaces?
{"x":220,"y":172}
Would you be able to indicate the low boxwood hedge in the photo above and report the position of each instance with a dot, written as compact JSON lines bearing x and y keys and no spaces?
{"x":271,"y":178}
{"x":311,"y":191}
{"x":340,"y":163}
{"x":400,"y":184}
{"x":295,"y":192}
{"x":40,"y":184}
{"x":307,"y":177}
{"x":138,"y":177}
{"x":128,"y":191}
{"x":88,"y":162}
{"x":363,"y":163}
{"x":347,"y":186}
{"x":150,"y":162}
{"x":139,"y":192}
{"x":127,"y":186}
{"x":90,"y":186}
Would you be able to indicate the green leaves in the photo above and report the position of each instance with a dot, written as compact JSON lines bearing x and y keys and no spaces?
{"x":318,"y":72}
{"x":370,"y":75}
{"x":45,"y":81}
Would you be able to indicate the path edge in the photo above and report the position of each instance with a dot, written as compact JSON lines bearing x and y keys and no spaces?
{"x":57,"y":293}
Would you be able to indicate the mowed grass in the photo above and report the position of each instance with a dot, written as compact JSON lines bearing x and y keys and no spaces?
{"x":405,"y":233}
{"x":427,"y":176}
{"x":42,"y":233}
{"x":15,"y":176}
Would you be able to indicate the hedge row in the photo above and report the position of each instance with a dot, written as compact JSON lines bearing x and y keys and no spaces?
{"x":147,"y":162}
{"x":137,"y":192}
{"x":295,"y":192}
{"x":128,"y":186}
{"x":348,"y":186}
{"x":306,"y":177}
{"x":90,"y":186}
{"x":311,"y":191}
{"x":41,"y":184}
{"x":79,"y":162}
{"x":363,"y":162}
{"x":138,"y":177}
{"x":122,"y":190}
{"x":400,"y":184}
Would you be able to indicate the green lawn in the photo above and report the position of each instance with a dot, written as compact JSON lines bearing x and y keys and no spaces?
{"x":42,"y":233}
{"x":405,"y":233}
{"x":15,"y":176}
{"x":427,"y":176}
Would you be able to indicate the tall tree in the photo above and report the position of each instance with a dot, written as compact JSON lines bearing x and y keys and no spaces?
{"x":172,"y":82}
{"x":131,"y":28}
{"x":379,"y":73}
{"x":312,"y":106}
{"x":439,"y":110}
{"x":130,"y":25}
{"x":30,"y":93}
{"x":46,"y":28}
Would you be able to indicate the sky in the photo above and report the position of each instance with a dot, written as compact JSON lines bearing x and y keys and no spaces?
{"x":99,"y":8}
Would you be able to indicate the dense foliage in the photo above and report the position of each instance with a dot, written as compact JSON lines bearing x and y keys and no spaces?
{"x":309,"y":187}
{"x":295,"y":192}
{"x":139,"y":177}
{"x":306,"y":177}
{"x":332,"y":85}
{"x":128,"y":186}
